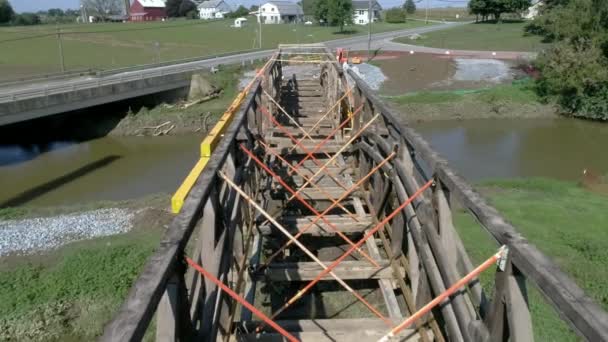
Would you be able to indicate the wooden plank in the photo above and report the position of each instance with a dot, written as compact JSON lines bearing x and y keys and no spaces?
{"x":313,"y":194}
{"x":406,"y":335}
{"x":320,"y":325}
{"x":344,"y":223}
{"x":347,"y":270}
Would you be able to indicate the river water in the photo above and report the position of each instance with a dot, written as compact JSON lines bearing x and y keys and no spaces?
{"x":118,"y":168}
{"x":109,"y":168}
{"x":556,"y":148}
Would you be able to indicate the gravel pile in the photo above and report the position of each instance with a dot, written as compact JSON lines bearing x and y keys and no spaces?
{"x":371,"y":74}
{"x":489,"y":70}
{"x":38,"y":234}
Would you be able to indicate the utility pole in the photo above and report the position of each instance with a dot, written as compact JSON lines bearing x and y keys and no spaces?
{"x":369,"y":30}
{"x":426,"y":20}
{"x":61,"y":60}
{"x":260,"y":23}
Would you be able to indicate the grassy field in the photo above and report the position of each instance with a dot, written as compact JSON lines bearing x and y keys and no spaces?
{"x":33,"y":50}
{"x":443,"y":13}
{"x":506,"y":36}
{"x":70,"y":293}
{"x":564,"y":221}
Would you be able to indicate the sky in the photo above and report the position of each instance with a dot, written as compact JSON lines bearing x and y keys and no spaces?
{"x":37,"y":5}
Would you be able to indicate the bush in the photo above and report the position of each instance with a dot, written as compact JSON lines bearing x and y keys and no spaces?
{"x":26,"y":19}
{"x":576,"y":75}
{"x":395,"y":15}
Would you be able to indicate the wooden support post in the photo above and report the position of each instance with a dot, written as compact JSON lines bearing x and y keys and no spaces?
{"x":173,"y":320}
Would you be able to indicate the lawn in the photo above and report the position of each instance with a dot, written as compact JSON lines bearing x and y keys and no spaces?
{"x":443,"y":13}
{"x":487,"y":36}
{"x":566,"y":222}
{"x":34,"y":50}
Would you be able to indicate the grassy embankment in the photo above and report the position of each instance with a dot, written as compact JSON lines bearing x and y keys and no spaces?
{"x":113,"y":45}
{"x":188,"y":119}
{"x":70,"y":293}
{"x":516,"y":100}
{"x":566,"y":222}
{"x":486,"y":36}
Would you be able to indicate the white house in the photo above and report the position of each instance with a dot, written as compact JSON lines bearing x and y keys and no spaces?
{"x":361,"y":17}
{"x":276,"y":12}
{"x":240,"y":22}
{"x":213,"y":9}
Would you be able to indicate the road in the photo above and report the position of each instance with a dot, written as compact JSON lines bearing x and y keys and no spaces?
{"x":23,"y":91}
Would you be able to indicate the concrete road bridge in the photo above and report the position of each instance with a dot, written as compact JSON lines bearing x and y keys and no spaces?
{"x":319,"y":216}
{"x":43,"y":97}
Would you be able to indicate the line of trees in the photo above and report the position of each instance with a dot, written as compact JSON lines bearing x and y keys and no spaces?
{"x":574,"y":71}
{"x":486,"y":9}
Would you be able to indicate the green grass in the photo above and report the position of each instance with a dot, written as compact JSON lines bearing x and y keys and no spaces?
{"x":517,"y":92}
{"x":565,"y":222}
{"x":506,"y":36}
{"x":445,"y":13}
{"x":115,"y":45}
{"x":71,"y":293}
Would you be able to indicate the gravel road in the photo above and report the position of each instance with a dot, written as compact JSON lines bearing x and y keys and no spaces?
{"x":32,"y":235}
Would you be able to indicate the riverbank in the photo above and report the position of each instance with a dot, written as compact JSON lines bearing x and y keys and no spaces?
{"x":516,"y":100}
{"x":183,"y":116}
{"x":69,"y":293}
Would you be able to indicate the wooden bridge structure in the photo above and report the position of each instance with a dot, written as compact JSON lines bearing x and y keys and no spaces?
{"x":321,"y":216}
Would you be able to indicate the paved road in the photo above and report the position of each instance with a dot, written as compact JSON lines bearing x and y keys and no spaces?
{"x":22,"y":91}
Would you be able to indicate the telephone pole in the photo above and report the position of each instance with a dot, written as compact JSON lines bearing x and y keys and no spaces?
{"x":426,"y":20}
{"x":60,"y":44}
{"x":369,"y":30}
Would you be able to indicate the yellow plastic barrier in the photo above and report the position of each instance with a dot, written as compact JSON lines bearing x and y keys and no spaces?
{"x":209,"y":144}
{"x":177,"y":201}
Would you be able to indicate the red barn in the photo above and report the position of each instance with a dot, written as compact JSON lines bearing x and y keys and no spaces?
{"x":147,"y":10}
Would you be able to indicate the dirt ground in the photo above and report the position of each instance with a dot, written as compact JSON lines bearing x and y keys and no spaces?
{"x":417,"y":72}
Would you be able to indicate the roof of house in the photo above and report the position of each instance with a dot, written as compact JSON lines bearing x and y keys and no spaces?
{"x":152,"y":3}
{"x":210,"y":4}
{"x":287,"y":7}
{"x":364,"y":4}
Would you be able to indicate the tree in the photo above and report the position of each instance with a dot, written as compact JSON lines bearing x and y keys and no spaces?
{"x":103,"y":8}
{"x":395,"y":15}
{"x":26,"y":19}
{"x":186,"y":7}
{"x":496,"y":8}
{"x":55,"y":12}
{"x":410,"y":6}
{"x":340,"y":13}
{"x":241,"y":11}
{"x":172,"y":8}
{"x":308,"y":7}
{"x":254,"y":8}
{"x":321,"y":10}
{"x":6,"y":12}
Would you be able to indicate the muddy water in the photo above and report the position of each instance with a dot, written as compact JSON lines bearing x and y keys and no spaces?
{"x":556,"y":148}
{"x":109,"y":168}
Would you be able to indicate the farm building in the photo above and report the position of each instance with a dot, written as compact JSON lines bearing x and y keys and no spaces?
{"x":361,"y":15}
{"x":276,"y":12}
{"x":213,"y":9}
{"x":147,"y":10}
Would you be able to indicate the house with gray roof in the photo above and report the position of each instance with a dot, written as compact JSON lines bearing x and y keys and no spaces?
{"x":213,"y":9}
{"x":361,"y":7}
{"x":276,"y":12}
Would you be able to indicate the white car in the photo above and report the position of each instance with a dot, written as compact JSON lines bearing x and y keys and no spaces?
{"x":308,"y":23}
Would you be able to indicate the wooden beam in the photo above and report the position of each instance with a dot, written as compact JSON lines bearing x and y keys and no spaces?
{"x":296,"y":223}
{"x":347,"y":270}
